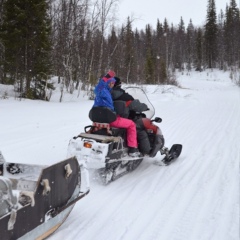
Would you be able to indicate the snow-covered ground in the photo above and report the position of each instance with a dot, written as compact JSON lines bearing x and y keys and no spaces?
{"x":196,"y":198}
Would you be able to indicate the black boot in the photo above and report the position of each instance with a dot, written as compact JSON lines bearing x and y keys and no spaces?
{"x":133,"y":152}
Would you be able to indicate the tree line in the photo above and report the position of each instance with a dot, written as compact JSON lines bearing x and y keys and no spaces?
{"x":78,"y":41}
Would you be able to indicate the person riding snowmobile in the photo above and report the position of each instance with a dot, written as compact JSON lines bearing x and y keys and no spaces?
{"x":133,"y":107}
{"x":104,"y":99}
{"x":118,"y":93}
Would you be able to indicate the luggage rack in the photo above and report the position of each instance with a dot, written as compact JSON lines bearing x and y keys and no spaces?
{"x":99,"y":138}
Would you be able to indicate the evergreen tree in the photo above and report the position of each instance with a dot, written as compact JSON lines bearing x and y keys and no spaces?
{"x":139,"y":53}
{"x":129,"y":51}
{"x":211,"y":35}
{"x":220,"y":39}
{"x":161,"y":71}
{"x":199,"y":50}
{"x":113,"y":58}
{"x":163,"y":77}
{"x":232,"y":33}
{"x":190,"y":45}
{"x":149,"y":64}
{"x":166,"y":34}
{"x":180,"y":46}
{"x":25,"y":32}
{"x":160,"y":40}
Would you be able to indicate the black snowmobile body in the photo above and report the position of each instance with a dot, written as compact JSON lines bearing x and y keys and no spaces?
{"x":104,"y":148}
{"x":35,"y":200}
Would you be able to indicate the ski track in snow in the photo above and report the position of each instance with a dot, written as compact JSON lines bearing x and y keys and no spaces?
{"x":195,"y":198}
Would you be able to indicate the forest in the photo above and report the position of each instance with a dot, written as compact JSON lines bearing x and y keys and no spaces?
{"x":79,"y":40}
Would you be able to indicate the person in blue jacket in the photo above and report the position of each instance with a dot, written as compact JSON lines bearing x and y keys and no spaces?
{"x":103,"y":98}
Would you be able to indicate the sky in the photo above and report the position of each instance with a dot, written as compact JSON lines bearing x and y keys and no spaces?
{"x":195,"y":198}
{"x":148,"y":11}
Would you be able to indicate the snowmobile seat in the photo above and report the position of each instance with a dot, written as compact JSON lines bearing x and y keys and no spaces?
{"x":102,"y":115}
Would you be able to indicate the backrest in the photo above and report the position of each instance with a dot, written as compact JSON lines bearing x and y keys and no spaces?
{"x":121,"y":109}
{"x":102,"y":115}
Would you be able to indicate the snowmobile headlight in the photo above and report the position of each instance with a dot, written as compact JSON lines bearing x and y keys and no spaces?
{"x":87,"y":145}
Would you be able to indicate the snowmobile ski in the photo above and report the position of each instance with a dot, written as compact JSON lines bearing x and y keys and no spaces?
{"x":171,"y":156}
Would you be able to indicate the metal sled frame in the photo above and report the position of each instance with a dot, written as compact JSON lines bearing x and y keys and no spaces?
{"x":45,"y":197}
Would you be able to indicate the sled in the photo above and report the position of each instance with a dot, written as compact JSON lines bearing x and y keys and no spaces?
{"x":35,"y":200}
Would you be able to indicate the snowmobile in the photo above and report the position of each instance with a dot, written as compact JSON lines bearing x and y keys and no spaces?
{"x":103,"y":148}
{"x":35,"y":200}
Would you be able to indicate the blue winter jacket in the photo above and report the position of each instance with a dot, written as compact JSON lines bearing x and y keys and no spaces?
{"x":103,"y":96}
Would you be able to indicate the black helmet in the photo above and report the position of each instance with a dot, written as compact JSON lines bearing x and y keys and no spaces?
{"x":118,"y":82}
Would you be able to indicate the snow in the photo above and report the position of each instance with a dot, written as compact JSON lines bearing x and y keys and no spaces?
{"x":195,"y":198}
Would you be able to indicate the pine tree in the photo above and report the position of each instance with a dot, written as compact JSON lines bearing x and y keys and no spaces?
{"x":180,"y":46}
{"x":163,"y":77}
{"x":161,"y":70}
{"x":149,"y":63}
{"x":199,"y":50}
{"x":190,"y":45}
{"x":160,"y":40}
{"x":166,"y":33}
{"x":232,"y":33}
{"x":211,"y":35}
{"x":139,"y":56}
{"x":221,"y":48}
{"x":25,"y":32}
{"x":129,"y":51}
{"x":112,"y":50}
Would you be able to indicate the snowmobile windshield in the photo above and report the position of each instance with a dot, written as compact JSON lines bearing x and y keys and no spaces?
{"x":139,"y":94}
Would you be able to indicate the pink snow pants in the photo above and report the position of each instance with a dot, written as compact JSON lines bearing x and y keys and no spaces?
{"x":131,"y":129}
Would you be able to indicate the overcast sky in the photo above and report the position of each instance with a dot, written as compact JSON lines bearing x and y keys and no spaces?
{"x":148,"y":11}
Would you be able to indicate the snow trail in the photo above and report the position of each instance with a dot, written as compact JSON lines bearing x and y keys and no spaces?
{"x":195,"y":198}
